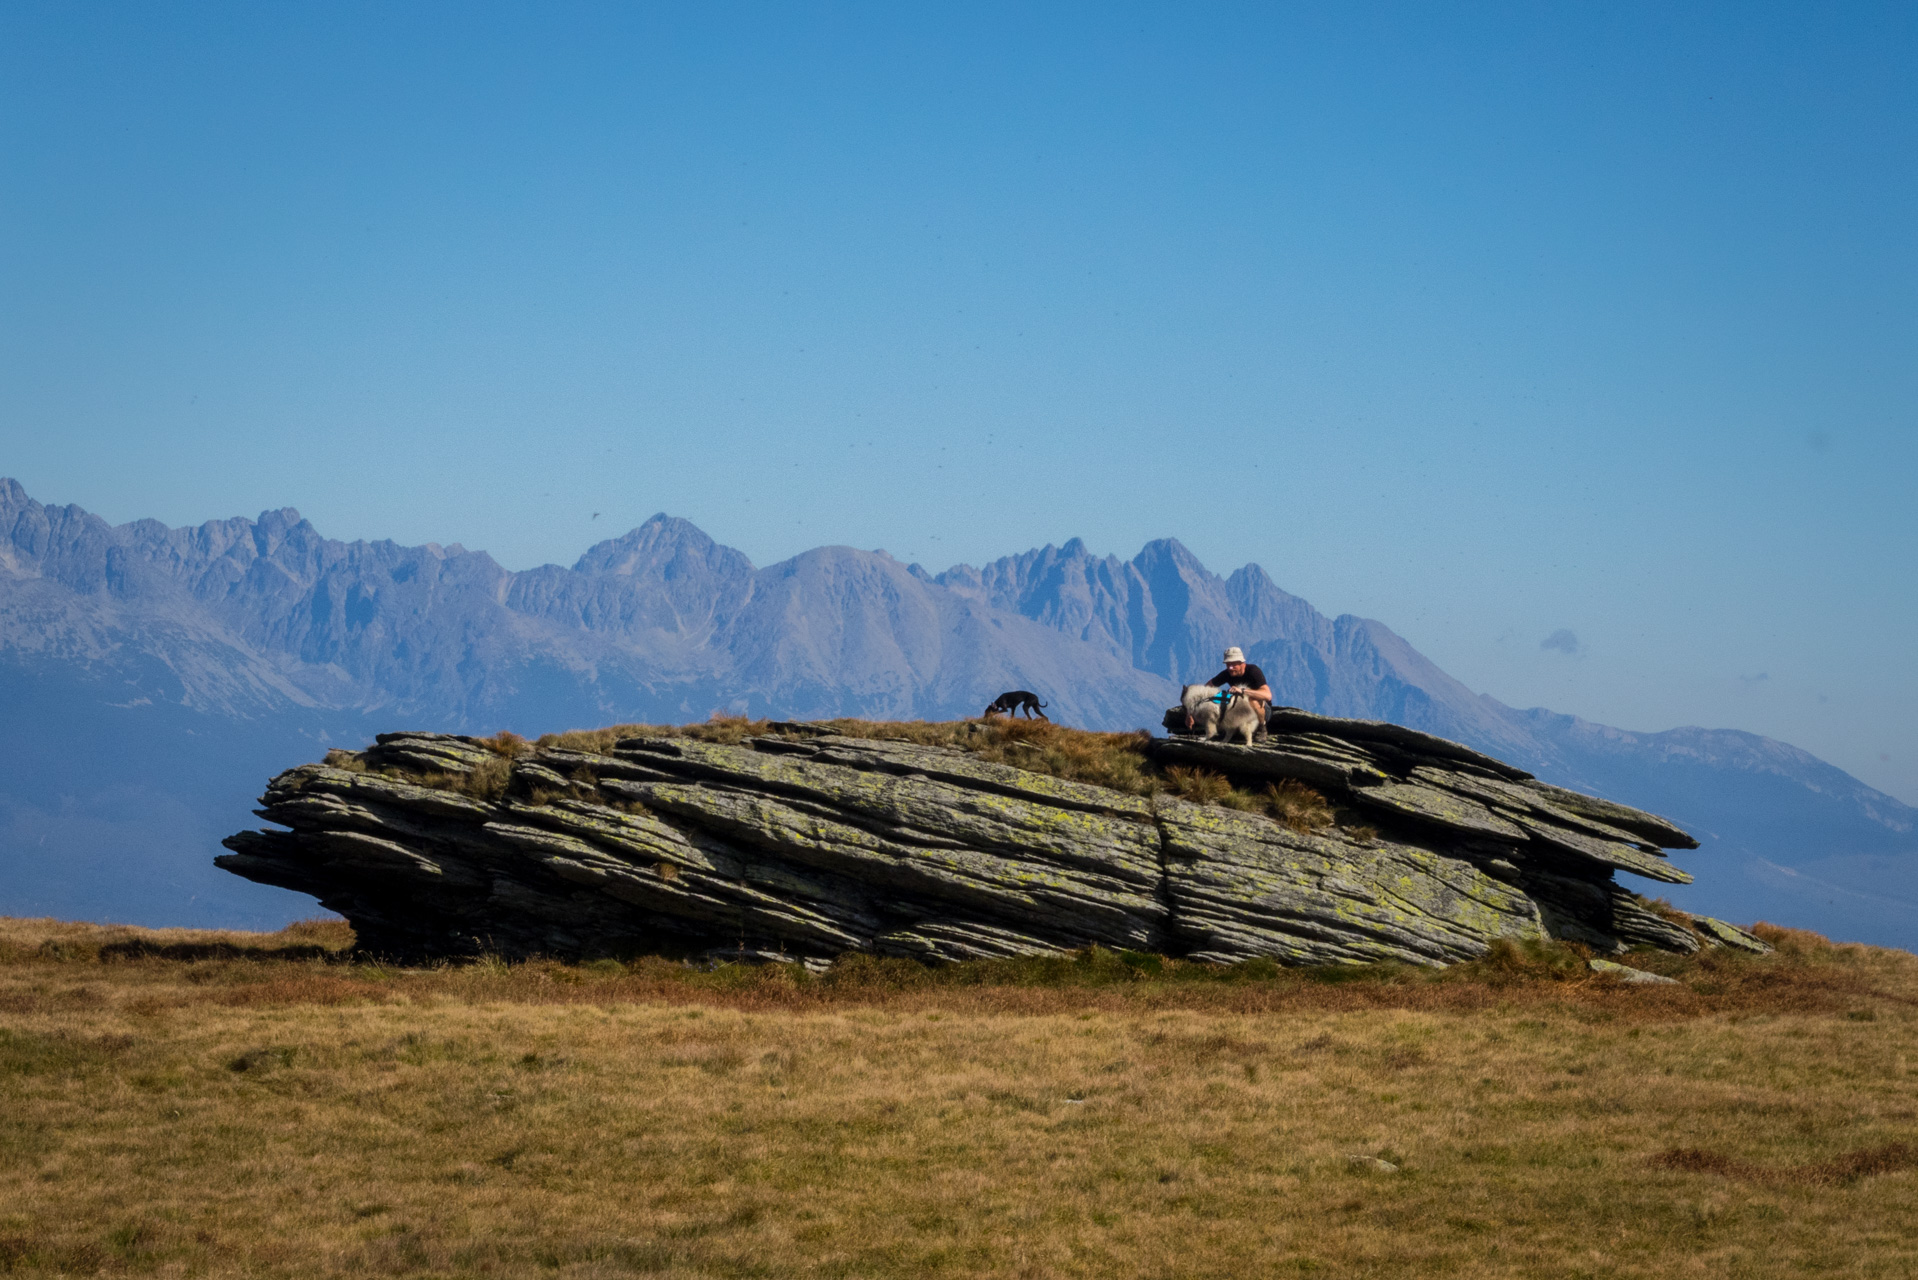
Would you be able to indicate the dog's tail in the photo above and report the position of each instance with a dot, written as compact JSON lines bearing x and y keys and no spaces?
{"x":1043,"y":704}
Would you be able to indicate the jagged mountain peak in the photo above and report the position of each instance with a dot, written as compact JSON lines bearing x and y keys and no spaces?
{"x":1162,"y":611}
{"x":1169,"y":551}
{"x":655,"y":545}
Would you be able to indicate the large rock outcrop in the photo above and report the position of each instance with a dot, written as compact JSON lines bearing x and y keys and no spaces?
{"x":802,"y":843}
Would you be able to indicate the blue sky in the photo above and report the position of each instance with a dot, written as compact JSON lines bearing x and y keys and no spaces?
{"x":1498,"y":324}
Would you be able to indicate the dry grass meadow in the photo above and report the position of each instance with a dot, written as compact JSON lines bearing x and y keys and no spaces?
{"x":234,"y":1105}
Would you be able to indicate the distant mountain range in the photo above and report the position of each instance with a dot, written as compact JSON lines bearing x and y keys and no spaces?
{"x":154,"y":678}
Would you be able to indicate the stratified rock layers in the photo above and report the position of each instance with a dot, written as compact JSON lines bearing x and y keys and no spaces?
{"x":801,"y":844}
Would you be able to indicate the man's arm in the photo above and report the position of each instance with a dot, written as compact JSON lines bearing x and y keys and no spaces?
{"x":1261,"y":691}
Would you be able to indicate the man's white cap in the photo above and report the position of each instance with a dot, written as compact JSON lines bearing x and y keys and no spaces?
{"x":1235,"y":654}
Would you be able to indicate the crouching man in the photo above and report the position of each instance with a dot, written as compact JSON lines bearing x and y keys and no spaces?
{"x":1203,"y":711}
{"x":1243,"y":677}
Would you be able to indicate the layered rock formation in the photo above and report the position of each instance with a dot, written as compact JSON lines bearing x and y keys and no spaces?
{"x":802,"y":843}
{"x":1558,"y":847}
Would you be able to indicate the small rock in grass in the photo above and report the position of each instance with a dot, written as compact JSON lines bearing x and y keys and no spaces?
{"x":1731,"y":935}
{"x":1625,"y":973}
{"x":1372,"y":1164}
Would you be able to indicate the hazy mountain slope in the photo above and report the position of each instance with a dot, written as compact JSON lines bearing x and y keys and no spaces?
{"x":109,"y":807}
{"x":1786,"y":836}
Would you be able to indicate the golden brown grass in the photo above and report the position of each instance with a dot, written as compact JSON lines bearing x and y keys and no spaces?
{"x":1289,"y":801}
{"x":228,"y":1105}
{"x":1115,"y":760}
{"x":486,"y":781}
{"x":719,"y":728}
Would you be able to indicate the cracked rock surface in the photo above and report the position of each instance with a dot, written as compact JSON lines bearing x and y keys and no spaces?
{"x":803,"y":845}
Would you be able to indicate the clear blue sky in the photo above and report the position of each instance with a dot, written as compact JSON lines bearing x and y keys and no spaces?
{"x":1492,"y":323}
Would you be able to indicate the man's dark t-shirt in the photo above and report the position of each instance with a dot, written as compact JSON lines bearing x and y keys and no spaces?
{"x":1251,"y":678}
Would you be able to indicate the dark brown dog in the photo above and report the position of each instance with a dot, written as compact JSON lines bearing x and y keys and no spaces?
{"x":1008,"y":704}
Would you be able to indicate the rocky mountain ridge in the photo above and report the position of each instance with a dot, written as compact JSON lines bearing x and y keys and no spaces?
{"x":159,"y":668}
{"x":268,"y":615}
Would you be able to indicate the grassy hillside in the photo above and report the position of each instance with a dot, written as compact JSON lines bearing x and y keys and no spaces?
{"x":254,"y":1105}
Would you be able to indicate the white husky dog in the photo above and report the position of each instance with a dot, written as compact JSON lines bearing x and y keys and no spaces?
{"x":1212,"y":715}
